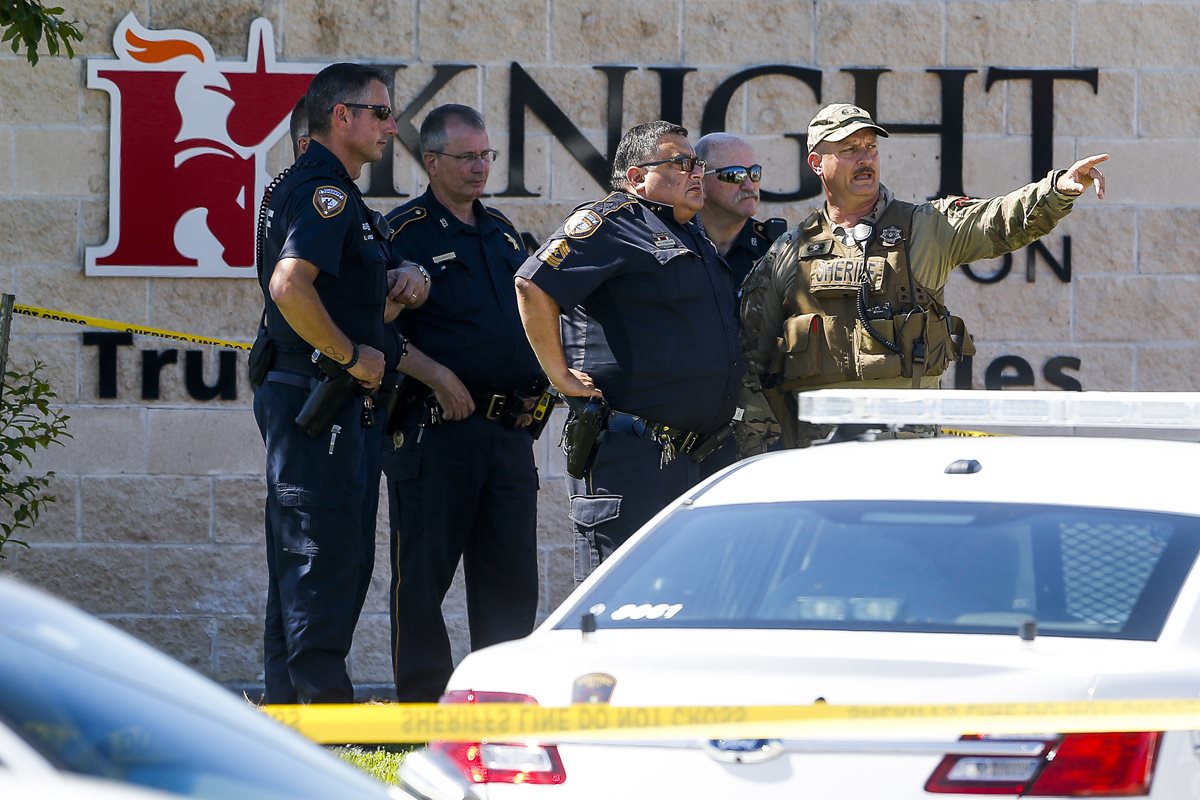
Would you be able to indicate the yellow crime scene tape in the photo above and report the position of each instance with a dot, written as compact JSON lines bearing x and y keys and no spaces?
{"x":124,"y":327}
{"x":383,"y":723}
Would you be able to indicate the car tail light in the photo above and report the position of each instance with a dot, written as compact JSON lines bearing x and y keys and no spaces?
{"x":1072,"y":765}
{"x":499,"y":762}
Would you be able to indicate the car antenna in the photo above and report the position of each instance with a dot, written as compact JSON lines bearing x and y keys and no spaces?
{"x":1028,"y":630}
{"x":587,"y":625}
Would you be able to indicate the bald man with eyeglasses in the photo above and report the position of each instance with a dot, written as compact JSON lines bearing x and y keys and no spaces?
{"x":731,"y":193}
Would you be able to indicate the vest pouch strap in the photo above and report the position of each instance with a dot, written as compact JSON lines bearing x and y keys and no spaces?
{"x":872,"y":360}
{"x":925,"y":342}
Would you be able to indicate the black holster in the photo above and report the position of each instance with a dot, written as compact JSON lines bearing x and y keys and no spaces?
{"x":335,"y":387}
{"x":588,"y":417}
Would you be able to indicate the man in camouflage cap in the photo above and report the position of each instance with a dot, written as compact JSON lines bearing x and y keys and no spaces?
{"x":853,"y":295}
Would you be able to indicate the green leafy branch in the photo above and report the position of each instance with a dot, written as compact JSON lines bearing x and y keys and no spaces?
{"x":25,"y":22}
{"x":28,"y":423}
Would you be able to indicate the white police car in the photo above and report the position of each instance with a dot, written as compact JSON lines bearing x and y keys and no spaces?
{"x":926,"y":571}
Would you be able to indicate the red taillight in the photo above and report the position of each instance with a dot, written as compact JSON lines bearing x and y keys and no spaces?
{"x":1073,"y":765}
{"x":499,"y":762}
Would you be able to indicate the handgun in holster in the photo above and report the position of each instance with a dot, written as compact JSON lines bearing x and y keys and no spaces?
{"x":588,"y":417}
{"x":335,"y":386}
{"x":711,"y":443}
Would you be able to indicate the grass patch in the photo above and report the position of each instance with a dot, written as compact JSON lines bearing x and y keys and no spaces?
{"x":380,"y":763}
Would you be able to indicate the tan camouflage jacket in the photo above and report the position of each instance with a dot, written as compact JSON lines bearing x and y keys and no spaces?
{"x":945,"y":233}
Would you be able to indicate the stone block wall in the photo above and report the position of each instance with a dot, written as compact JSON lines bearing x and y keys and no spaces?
{"x":158,"y":523}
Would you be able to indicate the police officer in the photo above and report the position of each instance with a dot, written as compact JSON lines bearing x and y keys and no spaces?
{"x":649,"y":322}
{"x":731,"y":183}
{"x":853,"y":296}
{"x":462,"y":481}
{"x":326,"y":289}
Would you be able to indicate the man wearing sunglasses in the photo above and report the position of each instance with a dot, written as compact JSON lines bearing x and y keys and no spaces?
{"x":324,"y":276}
{"x":462,"y":484}
{"x":731,"y":184}
{"x":648,"y":322}
{"x":853,"y":297}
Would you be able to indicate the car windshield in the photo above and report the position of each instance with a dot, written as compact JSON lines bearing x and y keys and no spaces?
{"x":912,"y":566}
{"x":108,"y":723}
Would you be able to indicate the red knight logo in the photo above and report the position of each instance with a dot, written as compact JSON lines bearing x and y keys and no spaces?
{"x":189,"y":141}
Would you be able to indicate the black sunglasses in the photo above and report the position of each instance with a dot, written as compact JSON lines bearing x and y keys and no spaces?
{"x":686,"y":164}
{"x":381,"y":112}
{"x":736,"y":173}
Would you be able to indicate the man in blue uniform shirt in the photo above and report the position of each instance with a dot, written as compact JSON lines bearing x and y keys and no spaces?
{"x":462,"y":481}
{"x":649,"y":322}
{"x":326,"y":286}
{"x":731,"y":193}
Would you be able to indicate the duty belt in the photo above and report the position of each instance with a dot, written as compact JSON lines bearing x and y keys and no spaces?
{"x":491,"y":406}
{"x":674,"y":441}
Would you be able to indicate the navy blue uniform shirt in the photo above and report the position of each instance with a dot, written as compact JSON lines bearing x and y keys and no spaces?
{"x":469,"y":323}
{"x":649,"y":310}
{"x":751,"y":244}
{"x":317,"y":214}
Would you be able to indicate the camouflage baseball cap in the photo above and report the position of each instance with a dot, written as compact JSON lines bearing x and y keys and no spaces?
{"x":836,"y":121}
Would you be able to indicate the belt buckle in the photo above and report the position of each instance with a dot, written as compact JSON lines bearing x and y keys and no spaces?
{"x":495,"y":406}
{"x":688,"y":442}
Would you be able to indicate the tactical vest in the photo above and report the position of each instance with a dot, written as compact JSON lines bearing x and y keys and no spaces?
{"x":825,"y":337}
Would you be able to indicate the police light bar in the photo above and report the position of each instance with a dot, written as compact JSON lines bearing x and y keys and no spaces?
{"x":1170,"y":410}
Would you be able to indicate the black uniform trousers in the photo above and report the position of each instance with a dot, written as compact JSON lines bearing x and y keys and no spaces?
{"x":322,"y":498}
{"x":467,"y":489}
{"x":626,"y":486}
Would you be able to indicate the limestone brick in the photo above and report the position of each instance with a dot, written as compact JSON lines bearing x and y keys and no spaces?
{"x":1152,"y":172}
{"x":1078,"y":110}
{"x":910,"y":166}
{"x":33,"y":230}
{"x":57,"y":520}
{"x":1147,"y":309}
{"x":646,"y":31}
{"x":367,"y":30}
{"x":238,"y":510}
{"x":1166,"y":105}
{"x":59,"y":357}
{"x":204,"y":442}
{"x":101,"y":579}
{"x":7,"y":167}
{"x":371,"y":654}
{"x":515,"y":30}
{"x":1168,"y":369}
{"x":148,"y":509}
{"x":238,"y":649}
{"x":1142,"y":34}
{"x":65,"y":289}
{"x":104,"y":441}
{"x":188,"y":640}
{"x":46,"y":94}
{"x":714,"y":32}
{"x":1013,"y":309}
{"x":202,"y":579}
{"x":849,"y":33}
{"x":1174,"y":236}
{"x":188,"y":306}
{"x":1021,"y":33}
{"x":96,"y":20}
{"x":554,"y":528}
{"x":225,"y":23}
{"x":60,"y":162}
{"x":378,"y":595}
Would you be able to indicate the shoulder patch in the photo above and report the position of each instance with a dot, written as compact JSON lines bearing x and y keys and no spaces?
{"x":402,"y":216}
{"x":329,"y":201}
{"x":582,"y":224}
{"x":614,"y":201}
